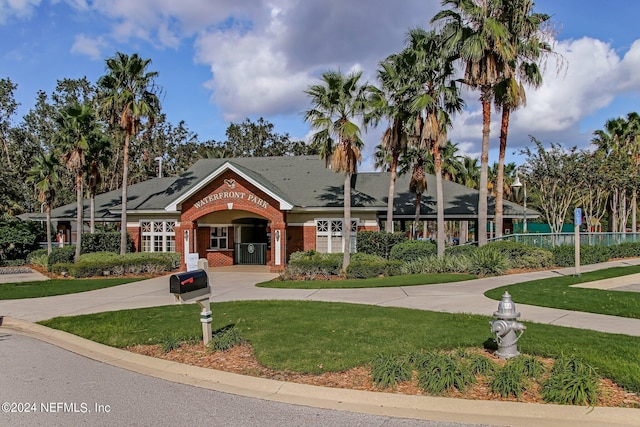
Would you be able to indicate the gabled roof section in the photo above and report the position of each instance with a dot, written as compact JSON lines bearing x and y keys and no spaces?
{"x":251,"y":176}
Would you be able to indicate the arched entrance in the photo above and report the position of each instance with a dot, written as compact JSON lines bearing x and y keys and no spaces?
{"x":252,"y":241}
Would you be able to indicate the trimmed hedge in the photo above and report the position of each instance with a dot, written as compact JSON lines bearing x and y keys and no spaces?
{"x":311,"y":264}
{"x":564,"y":255}
{"x":118,"y":265}
{"x":625,"y":250}
{"x":411,"y":250}
{"x":378,"y":242}
{"x":368,"y":269}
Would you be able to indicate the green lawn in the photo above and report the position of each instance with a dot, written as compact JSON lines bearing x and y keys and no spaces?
{"x":307,"y":336}
{"x":558,"y":293}
{"x":47,"y":288}
{"x":377,"y":282}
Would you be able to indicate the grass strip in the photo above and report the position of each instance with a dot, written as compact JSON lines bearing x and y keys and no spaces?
{"x":311,"y":336}
{"x":48,"y":288}
{"x":376,"y":282}
{"x":557,"y":292}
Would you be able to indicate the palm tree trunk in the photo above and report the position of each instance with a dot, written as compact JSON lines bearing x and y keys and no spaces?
{"x":346,"y":226}
{"x":92,"y":202}
{"x":416,"y":218}
{"x":48,"y":215}
{"x":634,"y":211}
{"x":484,"y":170}
{"x":392,"y":190}
{"x":439,"y":201}
{"x":123,"y":215}
{"x":504,"y":129}
{"x":78,"y":216}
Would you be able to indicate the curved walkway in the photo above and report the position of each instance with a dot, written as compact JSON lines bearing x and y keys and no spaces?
{"x":231,"y":284}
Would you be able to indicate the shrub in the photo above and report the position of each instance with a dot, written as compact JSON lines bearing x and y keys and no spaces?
{"x":310,"y":264}
{"x":36,"y":254}
{"x":572,"y":382}
{"x":412,"y":249}
{"x":460,"y":250}
{"x":39,"y":257}
{"x":486,"y":261}
{"x":480,"y":364}
{"x":132,"y":263}
{"x":509,"y":381}
{"x":625,"y":250}
{"x":529,"y":366}
{"x":378,"y":242}
{"x":445,"y":372}
{"x":99,"y":256}
{"x":368,"y":269}
{"x":171,"y":342}
{"x":225,"y":339}
{"x":387,"y":370}
{"x":64,"y":254}
{"x":564,"y":255}
{"x":433,"y":264}
{"x":523,"y":256}
{"x":104,"y":242}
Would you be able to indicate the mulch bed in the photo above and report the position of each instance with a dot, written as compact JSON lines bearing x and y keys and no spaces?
{"x":241,"y":360}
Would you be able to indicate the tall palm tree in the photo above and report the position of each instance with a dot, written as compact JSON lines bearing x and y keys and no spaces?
{"x":98,"y":157}
{"x":436,"y":96}
{"x":525,"y":30}
{"x":391,"y":101}
{"x":337,"y":102}
{"x":75,"y":126}
{"x":127,"y":95}
{"x":470,"y":176}
{"x":44,"y":176}
{"x":475,"y":34}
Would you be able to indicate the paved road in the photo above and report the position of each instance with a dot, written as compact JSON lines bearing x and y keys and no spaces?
{"x":98,"y":394}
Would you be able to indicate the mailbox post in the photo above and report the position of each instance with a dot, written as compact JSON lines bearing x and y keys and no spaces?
{"x":193,"y":286}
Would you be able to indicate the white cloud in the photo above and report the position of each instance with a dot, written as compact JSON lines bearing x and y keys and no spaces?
{"x":16,"y":8}
{"x":88,"y":46}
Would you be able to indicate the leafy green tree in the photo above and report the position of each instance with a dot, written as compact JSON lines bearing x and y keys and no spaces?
{"x":337,"y":102}
{"x":127,"y":95}
{"x":554,"y":175}
{"x":8,"y":107}
{"x":44,"y":177}
{"x":474,"y":32}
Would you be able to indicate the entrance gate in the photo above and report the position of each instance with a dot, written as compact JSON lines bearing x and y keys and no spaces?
{"x":250,"y":253}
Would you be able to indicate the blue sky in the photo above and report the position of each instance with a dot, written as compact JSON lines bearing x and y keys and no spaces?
{"x":222,"y":61}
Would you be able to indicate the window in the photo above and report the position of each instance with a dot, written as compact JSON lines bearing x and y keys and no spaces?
{"x":219,"y":238}
{"x":329,"y":235}
{"x":158,"y":236}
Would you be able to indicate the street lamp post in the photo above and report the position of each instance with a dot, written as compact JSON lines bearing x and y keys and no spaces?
{"x":518,"y":184}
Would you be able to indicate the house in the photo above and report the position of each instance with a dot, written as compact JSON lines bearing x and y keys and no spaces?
{"x":260,"y":210}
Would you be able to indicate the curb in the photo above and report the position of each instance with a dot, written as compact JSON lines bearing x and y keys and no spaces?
{"x":378,"y":403}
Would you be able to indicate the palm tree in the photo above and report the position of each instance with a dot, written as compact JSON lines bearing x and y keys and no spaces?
{"x":474,"y":33}
{"x":98,"y":157}
{"x":436,"y":96}
{"x":336,"y":103}
{"x":127,"y":94}
{"x":75,"y":126}
{"x":470,"y":176}
{"x":392,"y":102}
{"x":44,"y":176}
{"x":524,"y":28}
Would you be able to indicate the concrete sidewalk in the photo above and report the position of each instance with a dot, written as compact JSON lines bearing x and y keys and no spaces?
{"x":235,"y":284}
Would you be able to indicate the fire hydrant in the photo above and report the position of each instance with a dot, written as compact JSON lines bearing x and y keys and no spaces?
{"x":506,"y":327}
